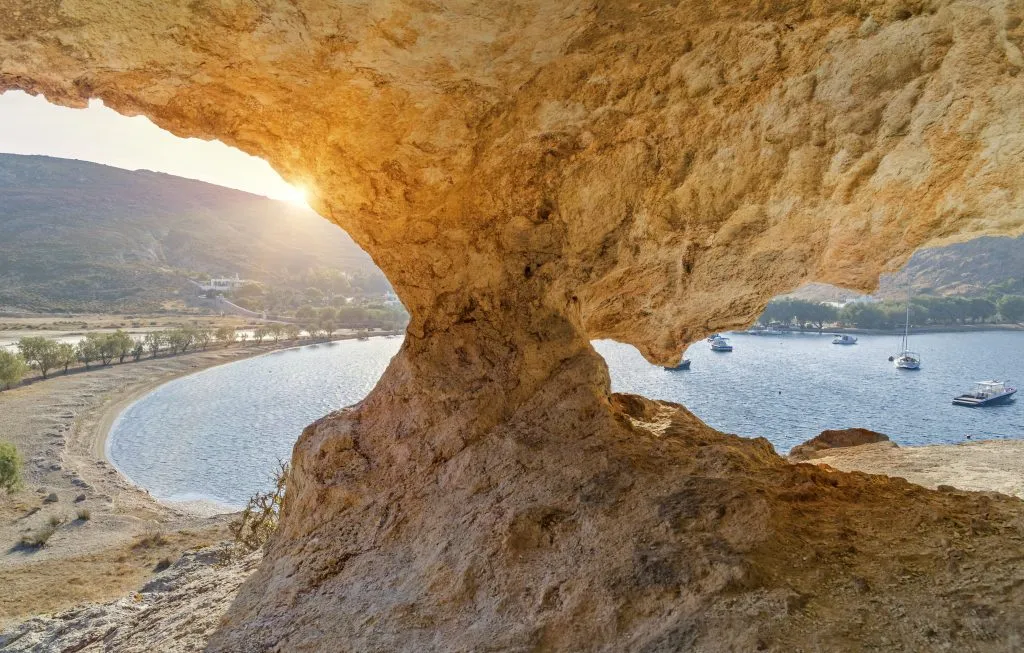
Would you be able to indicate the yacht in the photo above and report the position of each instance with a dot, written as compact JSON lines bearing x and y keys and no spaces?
{"x":906,"y":359}
{"x":844,"y":339}
{"x":986,"y":393}
{"x":683,"y":365}
{"x":720,"y":344}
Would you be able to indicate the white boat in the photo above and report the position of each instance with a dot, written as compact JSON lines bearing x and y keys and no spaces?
{"x":713,"y":337}
{"x":720,"y":344}
{"x":906,"y":359}
{"x":844,"y":339}
{"x":986,"y":393}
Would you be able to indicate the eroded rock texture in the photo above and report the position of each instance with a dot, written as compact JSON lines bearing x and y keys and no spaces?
{"x":531,"y":174}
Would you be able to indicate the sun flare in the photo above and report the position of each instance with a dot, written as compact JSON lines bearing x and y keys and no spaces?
{"x":295,"y":195}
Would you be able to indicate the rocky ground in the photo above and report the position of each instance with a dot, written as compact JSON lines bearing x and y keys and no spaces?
{"x":173,"y":613}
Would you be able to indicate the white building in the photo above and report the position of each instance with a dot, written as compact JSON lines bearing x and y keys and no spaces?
{"x":222,"y":284}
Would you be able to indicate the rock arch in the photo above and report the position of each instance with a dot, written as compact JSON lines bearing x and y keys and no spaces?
{"x":531,"y":175}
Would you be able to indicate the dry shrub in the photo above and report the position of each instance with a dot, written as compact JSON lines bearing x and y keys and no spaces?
{"x":39,"y":538}
{"x":258,"y":520}
{"x":150,"y":541}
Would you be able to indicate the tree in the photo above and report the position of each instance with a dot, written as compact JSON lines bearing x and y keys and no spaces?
{"x":10,"y":467}
{"x":276,"y":330}
{"x":258,"y":334}
{"x":138,"y":349}
{"x":106,"y":346}
{"x":1011,"y":307}
{"x":305,"y":312}
{"x":120,"y":344}
{"x":12,"y":368}
{"x":87,"y":351}
{"x":243,"y":336}
{"x":154,"y":340}
{"x":66,"y":355}
{"x":180,"y":339}
{"x":292,"y":331}
{"x":226,"y":334}
{"x":203,"y":337}
{"x":40,"y":353}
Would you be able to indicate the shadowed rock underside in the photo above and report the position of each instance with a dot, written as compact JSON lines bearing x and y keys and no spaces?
{"x":531,"y":175}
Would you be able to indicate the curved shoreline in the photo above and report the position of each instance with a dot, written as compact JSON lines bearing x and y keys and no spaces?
{"x":100,"y":435}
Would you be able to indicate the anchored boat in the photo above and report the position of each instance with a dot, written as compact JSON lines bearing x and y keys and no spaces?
{"x":906,"y":359}
{"x":683,"y":365}
{"x":844,"y":339}
{"x":720,"y":344}
{"x":986,"y":393}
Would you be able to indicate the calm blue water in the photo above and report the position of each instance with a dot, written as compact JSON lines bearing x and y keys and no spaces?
{"x":219,"y":433}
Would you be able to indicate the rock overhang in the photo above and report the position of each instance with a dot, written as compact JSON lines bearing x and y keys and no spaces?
{"x":653,"y":171}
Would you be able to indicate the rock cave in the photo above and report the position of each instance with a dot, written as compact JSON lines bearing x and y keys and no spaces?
{"x":532,"y":176}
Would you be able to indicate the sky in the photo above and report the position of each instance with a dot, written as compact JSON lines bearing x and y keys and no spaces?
{"x":31,"y":125}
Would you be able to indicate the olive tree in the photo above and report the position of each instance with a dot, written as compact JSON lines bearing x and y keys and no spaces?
{"x":10,"y":467}
{"x":12,"y":368}
{"x":40,"y":353}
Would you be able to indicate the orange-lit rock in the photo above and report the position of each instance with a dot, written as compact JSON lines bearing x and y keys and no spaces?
{"x":534,"y":174}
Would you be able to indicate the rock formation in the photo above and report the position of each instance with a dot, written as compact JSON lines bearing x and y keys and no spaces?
{"x":531,"y":175}
{"x":835,"y":438}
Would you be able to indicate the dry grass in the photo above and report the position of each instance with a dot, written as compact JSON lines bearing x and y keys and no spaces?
{"x":150,"y":541}
{"x":38,"y":538}
{"x":100,"y":576}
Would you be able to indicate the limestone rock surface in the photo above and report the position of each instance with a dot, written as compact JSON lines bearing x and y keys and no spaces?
{"x":836,"y":438}
{"x":531,"y":175}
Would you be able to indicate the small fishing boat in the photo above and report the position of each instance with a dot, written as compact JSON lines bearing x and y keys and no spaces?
{"x":683,"y":365}
{"x":986,"y":393}
{"x":720,"y":344}
{"x":844,"y":339}
{"x":713,"y":337}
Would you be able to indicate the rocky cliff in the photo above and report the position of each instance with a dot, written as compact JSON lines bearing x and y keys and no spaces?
{"x":531,"y":175}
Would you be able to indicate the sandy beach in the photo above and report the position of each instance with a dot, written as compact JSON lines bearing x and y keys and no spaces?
{"x":60,"y":426}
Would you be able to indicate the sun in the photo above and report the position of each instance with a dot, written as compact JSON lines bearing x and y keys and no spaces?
{"x":296,"y":195}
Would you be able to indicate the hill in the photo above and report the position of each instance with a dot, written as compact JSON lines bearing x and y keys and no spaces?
{"x":87,"y":237}
{"x":969,"y":269}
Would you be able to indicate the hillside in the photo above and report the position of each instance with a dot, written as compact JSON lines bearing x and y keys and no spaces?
{"x":969,"y":269}
{"x":83,"y":236}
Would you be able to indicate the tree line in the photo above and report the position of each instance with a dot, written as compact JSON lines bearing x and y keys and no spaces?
{"x":46,"y":355}
{"x":924,"y":310}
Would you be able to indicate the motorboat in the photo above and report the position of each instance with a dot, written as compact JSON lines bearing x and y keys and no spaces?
{"x":683,"y":365}
{"x":720,"y":344}
{"x":713,"y":337}
{"x":844,"y":339}
{"x":986,"y":393}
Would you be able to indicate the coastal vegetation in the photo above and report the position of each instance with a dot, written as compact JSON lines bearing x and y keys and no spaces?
{"x":258,"y":520}
{"x":12,"y":369}
{"x":924,"y":311}
{"x":10,"y":467}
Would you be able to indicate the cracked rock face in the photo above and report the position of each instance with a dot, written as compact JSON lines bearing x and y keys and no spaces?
{"x":531,"y":175}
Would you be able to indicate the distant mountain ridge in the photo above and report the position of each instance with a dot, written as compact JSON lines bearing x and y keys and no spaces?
{"x":76,"y":235}
{"x":968,"y":269}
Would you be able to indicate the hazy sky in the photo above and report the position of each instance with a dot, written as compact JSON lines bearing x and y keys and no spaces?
{"x":30,"y":125}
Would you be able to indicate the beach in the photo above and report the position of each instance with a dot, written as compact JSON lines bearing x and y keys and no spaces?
{"x":60,"y":426}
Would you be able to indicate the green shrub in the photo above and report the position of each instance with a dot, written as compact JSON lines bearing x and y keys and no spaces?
{"x":13,"y":369}
{"x":10,"y":467}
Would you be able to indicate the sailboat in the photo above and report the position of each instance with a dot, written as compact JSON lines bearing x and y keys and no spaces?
{"x":906,"y":359}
